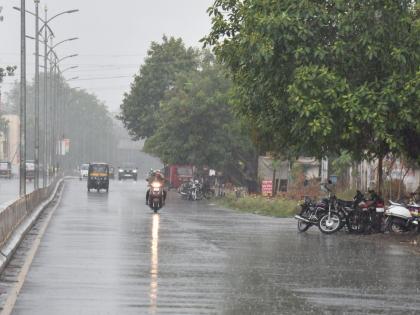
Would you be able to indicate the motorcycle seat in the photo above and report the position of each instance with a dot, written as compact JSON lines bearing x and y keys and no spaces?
{"x":345,"y":203}
{"x":394,"y":203}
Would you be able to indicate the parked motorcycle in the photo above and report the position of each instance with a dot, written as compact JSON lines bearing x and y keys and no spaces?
{"x":322,"y":214}
{"x":367,"y":215}
{"x":308,"y":216}
{"x":331,"y":221}
{"x":185,"y":189}
{"x":196,"y":192}
{"x":192,"y":190}
{"x":156,"y":196}
{"x":402,"y":218}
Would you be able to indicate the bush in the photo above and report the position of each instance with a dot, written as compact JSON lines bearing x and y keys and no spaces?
{"x":276,"y":207}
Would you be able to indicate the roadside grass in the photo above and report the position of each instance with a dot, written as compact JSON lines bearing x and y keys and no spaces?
{"x":276,"y":207}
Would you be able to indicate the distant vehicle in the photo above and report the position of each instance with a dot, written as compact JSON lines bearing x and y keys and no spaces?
{"x":179,"y":174}
{"x":30,"y":169}
{"x":5,"y":169}
{"x":98,"y":176}
{"x":127,"y":171}
{"x":84,"y":170}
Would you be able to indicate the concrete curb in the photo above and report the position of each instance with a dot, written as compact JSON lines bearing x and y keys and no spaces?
{"x":11,"y":245}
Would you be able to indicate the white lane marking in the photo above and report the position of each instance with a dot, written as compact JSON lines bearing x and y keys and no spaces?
{"x":15,"y":290}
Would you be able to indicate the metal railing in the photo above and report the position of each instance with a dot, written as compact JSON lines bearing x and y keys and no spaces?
{"x":13,"y":214}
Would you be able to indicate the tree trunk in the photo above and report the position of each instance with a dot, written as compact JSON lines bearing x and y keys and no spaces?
{"x":380,"y":183}
{"x":273,"y":189}
{"x":402,"y":182}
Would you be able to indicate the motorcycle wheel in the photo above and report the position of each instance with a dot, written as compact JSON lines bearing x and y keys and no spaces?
{"x":329,"y":224}
{"x":355,"y":222}
{"x":343,"y":217}
{"x":394,"y":227}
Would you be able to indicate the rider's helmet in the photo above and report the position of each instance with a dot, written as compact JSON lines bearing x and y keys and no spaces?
{"x":159,"y":175}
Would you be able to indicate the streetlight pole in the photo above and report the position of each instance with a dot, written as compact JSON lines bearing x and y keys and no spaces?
{"x":44,"y":28}
{"x":50,"y":111}
{"x":36,"y":182}
{"x":61,"y":113}
{"x":54,"y":96}
{"x":22,"y":112}
{"x":45,"y":156}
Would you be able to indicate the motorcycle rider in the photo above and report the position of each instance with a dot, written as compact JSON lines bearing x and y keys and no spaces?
{"x":155,"y":176}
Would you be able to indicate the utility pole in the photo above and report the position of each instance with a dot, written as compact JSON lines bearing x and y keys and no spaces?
{"x":36,"y":182}
{"x":22,"y":112}
{"x":50,"y":116}
{"x":45,"y":167}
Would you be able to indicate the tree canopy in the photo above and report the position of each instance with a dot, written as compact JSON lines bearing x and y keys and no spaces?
{"x":181,"y":102}
{"x":197,"y":125}
{"x":164,"y":61}
{"x":323,"y":76}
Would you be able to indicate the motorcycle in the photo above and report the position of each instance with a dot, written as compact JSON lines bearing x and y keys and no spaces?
{"x":309,"y":215}
{"x":331,"y":221}
{"x":156,"y":196}
{"x":185,"y":189}
{"x":402,"y":218}
{"x":322,"y":214}
{"x":367,"y":215}
{"x":192,"y":190}
{"x":196,"y":192}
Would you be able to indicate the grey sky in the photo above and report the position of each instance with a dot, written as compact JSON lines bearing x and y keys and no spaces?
{"x":114,"y":37}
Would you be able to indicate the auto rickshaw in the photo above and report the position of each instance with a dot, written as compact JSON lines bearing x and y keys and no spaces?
{"x":98,"y":176}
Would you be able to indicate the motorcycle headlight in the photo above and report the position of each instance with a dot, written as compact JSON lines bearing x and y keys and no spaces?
{"x":134,"y":171}
{"x":120,"y":170}
{"x":156,"y":185}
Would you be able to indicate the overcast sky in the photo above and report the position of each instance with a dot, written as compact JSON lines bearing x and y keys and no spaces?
{"x":114,"y":37}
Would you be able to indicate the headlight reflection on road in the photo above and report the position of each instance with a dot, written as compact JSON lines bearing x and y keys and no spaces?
{"x":154,"y":264}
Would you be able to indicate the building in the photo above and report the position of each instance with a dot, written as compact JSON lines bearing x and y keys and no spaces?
{"x":281,"y":170}
{"x":9,"y":147}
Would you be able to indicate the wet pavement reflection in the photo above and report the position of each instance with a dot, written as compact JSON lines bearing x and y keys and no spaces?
{"x":109,"y":254}
{"x":154,"y":265}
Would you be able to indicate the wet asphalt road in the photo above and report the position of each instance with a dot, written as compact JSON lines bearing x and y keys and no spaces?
{"x":9,"y":189}
{"x":108,"y":254}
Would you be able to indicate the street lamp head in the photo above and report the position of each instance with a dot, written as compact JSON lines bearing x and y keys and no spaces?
{"x":72,"y":11}
{"x":73,"y":38}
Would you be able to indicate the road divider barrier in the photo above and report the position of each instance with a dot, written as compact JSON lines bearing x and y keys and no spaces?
{"x":17,"y":217}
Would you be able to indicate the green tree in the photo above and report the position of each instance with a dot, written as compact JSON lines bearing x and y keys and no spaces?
{"x":164,"y":61}
{"x":197,"y":126}
{"x":321,"y":77}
